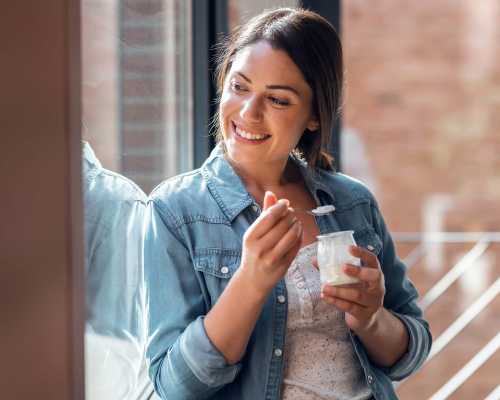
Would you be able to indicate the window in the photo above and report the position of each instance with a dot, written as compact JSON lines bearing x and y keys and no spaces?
{"x":137,"y":87}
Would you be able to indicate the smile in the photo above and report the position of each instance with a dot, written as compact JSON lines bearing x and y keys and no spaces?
{"x":242,"y":134}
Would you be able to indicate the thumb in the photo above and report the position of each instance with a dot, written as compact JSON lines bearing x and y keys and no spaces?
{"x":270,"y":199}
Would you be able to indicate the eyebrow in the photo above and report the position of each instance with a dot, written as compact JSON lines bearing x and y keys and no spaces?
{"x":280,"y":87}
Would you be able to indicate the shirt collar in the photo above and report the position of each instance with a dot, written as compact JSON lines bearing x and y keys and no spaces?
{"x":225,"y":185}
{"x":90,"y":164}
{"x":315,"y":181}
{"x":231,"y":194}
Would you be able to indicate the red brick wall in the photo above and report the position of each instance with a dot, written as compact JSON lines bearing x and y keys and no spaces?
{"x":142,"y":73}
{"x":423,"y":91}
{"x":423,"y":94}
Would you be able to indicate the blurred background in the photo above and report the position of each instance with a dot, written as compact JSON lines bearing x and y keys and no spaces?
{"x":420,"y":128}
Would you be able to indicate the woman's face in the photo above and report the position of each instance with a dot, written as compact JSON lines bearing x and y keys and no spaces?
{"x":265,"y":106}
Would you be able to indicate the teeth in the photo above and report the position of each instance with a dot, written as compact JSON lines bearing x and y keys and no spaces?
{"x":249,"y":136}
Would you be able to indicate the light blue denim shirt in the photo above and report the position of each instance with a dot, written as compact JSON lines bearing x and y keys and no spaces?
{"x":115,"y":335}
{"x":193,"y":242}
{"x":114,"y":210}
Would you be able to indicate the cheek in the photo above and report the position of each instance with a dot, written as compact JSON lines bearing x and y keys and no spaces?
{"x":224,"y":106}
{"x":227,"y":105}
{"x":295,"y":126}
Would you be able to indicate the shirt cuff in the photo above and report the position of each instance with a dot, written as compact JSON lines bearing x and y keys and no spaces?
{"x":203,"y":358}
{"x":416,"y":352}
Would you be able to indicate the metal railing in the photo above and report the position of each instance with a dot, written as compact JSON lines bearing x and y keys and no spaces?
{"x":482,"y":240}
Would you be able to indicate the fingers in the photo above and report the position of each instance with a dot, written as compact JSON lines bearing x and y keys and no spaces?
{"x":270,"y":199}
{"x":266,"y":221}
{"x":369,"y":259}
{"x":291,"y":238}
{"x":286,"y":261}
{"x":349,"y":294}
{"x":348,"y":307}
{"x":277,"y":232}
{"x":370,"y":275}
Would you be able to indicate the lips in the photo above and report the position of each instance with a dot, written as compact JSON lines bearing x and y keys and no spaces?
{"x":248,"y":136}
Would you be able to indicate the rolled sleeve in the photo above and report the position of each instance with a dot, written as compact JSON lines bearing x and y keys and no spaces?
{"x":418,"y":348}
{"x":183,"y":363}
{"x":401,"y":299}
{"x":203,"y":358}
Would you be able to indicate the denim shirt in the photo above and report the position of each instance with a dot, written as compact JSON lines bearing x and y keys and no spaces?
{"x":115,"y":336}
{"x":114,"y":210}
{"x":194,"y":228}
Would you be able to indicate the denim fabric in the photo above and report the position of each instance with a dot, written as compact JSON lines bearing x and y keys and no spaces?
{"x":193,"y":241}
{"x":113,"y":213}
{"x":114,"y":208}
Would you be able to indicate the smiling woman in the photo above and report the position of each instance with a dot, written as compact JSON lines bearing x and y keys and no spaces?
{"x":288,"y":64}
{"x":265,"y":101}
{"x":236,"y":309}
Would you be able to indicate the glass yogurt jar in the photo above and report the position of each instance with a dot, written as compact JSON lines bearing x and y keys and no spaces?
{"x":333,"y":253}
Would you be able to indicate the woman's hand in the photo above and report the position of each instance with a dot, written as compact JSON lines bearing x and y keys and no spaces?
{"x":361,"y":302}
{"x":270,"y":244}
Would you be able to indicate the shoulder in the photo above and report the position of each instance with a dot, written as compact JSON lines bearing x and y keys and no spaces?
{"x":179,"y":188}
{"x":346,"y":190}
{"x":110,"y":187}
{"x":179,"y":197}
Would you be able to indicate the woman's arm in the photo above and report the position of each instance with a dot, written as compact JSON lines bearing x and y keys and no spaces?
{"x":269,"y":247}
{"x":384,"y":313}
{"x":383,"y":335}
{"x":175,"y":307}
{"x":193,"y":355}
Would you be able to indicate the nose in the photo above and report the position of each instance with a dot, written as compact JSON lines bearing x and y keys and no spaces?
{"x":251,"y":110}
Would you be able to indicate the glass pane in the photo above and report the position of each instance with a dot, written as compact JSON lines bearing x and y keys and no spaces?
{"x":137,"y":86}
{"x":137,"y":120}
{"x":421,"y":128}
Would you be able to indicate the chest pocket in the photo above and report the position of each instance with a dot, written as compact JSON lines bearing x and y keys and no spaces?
{"x":368,"y":239}
{"x":216,"y":266}
{"x":219,"y":263}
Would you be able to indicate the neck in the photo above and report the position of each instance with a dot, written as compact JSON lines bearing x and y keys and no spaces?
{"x":260,"y":178}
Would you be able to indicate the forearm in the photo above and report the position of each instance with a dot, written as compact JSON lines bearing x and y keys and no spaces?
{"x":232,"y":319}
{"x":386,"y":339}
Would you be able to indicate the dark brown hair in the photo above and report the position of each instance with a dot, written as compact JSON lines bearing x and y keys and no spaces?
{"x":314,"y":46}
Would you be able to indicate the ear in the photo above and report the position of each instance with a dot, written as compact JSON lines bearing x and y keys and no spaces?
{"x":313,"y":125}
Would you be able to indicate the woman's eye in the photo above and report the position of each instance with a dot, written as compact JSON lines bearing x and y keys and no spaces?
{"x":237,"y":87}
{"x":279,"y":102}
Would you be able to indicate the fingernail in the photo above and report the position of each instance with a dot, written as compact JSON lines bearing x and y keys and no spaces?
{"x":286,"y":202}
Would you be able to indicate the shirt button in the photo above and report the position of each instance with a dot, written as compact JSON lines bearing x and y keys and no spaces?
{"x":278,"y":352}
{"x":370,"y":247}
{"x":370,"y":379}
{"x":224,"y":270}
{"x":300,"y":285}
{"x":281,"y":299}
{"x":255,"y":208}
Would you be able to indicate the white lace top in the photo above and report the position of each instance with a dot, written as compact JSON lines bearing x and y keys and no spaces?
{"x":320,"y":362}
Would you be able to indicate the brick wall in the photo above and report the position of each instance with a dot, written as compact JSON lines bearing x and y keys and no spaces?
{"x":423,"y":95}
{"x":423,"y":83}
{"x":100,"y":78}
{"x":138,"y":117}
{"x":142,"y":77}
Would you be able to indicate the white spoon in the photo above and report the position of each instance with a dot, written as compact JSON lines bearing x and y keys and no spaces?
{"x":319,"y":211}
